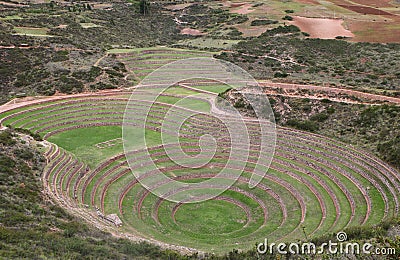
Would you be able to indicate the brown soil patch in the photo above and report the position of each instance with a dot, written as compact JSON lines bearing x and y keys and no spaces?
{"x":313,"y":2}
{"x":374,"y":3}
{"x":383,"y":32}
{"x":321,"y":28}
{"x":102,"y":6}
{"x":365,"y":10}
{"x":12,"y":4}
{"x":178,"y":6}
{"x":243,"y":10}
{"x":233,"y":5}
{"x":252,"y":32}
{"x":191,"y":31}
{"x":331,"y":90}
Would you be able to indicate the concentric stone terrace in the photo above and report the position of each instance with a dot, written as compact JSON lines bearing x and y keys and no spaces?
{"x":314,"y":183}
{"x":141,"y":62}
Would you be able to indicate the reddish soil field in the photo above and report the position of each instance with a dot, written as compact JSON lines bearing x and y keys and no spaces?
{"x":321,"y":28}
{"x":384,"y":24}
{"x":243,"y":10}
{"x":383,"y":31}
{"x":313,"y":2}
{"x":191,"y":31}
{"x":374,"y":3}
{"x":233,"y":5}
{"x":365,"y":10}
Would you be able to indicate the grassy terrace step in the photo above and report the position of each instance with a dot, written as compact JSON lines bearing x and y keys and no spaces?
{"x":236,"y":190}
{"x":363,"y":167}
{"x":79,"y":107}
{"x":143,"y":61}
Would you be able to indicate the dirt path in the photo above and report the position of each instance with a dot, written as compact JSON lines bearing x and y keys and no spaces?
{"x":320,"y":97}
{"x":13,"y":4}
{"x":21,"y":102}
{"x":100,"y":59}
{"x":290,"y":60}
{"x":44,"y":47}
{"x":355,"y":93}
{"x":191,"y":31}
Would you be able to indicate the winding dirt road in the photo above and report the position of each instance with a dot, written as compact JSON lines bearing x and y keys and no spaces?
{"x":332,"y":90}
{"x":20,"y":102}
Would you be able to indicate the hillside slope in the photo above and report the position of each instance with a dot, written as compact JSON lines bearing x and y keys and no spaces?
{"x":32,"y":227}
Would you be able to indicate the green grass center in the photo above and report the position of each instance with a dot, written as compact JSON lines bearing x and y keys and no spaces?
{"x":211,"y":217}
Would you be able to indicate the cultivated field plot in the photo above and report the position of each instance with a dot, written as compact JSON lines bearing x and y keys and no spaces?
{"x":321,"y":28}
{"x":30,"y":31}
{"x":140,"y":62}
{"x":314,"y":183}
{"x":360,"y":17}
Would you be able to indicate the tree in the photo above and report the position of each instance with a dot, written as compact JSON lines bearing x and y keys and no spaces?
{"x":144,"y":7}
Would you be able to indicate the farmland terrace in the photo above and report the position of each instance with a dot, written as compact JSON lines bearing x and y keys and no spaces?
{"x":313,"y":182}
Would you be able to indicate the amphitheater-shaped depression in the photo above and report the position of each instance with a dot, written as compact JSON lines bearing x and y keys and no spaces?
{"x":314,"y":183}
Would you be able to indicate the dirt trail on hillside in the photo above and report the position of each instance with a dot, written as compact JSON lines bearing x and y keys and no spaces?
{"x":21,"y":102}
{"x":355,"y":93}
{"x":190,"y":31}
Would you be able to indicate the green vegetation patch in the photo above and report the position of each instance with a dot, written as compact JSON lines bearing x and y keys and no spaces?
{"x":211,"y":217}
{"x":208,"y":43}
{"x":30,"y":31}
{"x":82,"y":143}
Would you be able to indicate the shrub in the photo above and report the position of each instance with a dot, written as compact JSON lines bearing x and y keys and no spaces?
{"x":280,"y":75}
{"x":281,"y":30}
{"x":390,"y":151}
{"x":305,"y":125}
{"x":60,"y":56}
{"x":330,"y":110}
{"x":239,"y":104}
{"x":71,"y":228}
{"x":263,"y":22}
{"x":70,"y":85}
{"x":35,"y":136}
{"x":102,"y":86}
{"x":6,"y":161}
{"x":371,"y":76}
{"x":321,"y":117}
{"x":90,"y":75}
{"x":287,"y":18}
{"x":24,"y":154}
{"x":6,"y":138}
